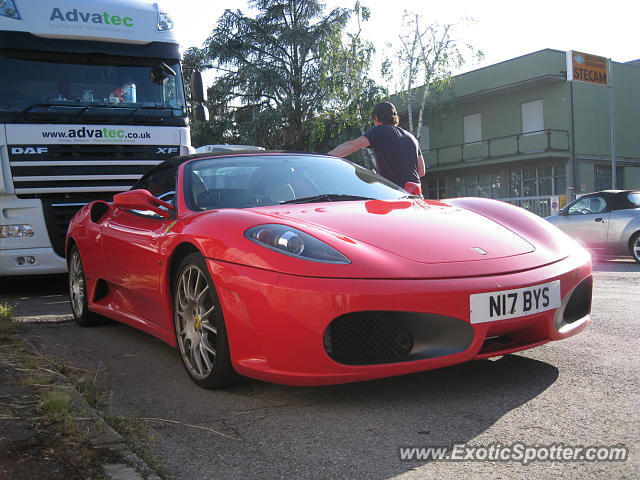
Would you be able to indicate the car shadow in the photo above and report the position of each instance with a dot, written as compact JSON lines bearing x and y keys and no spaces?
{"x":430,"y":409}
{"x":353,"y":430}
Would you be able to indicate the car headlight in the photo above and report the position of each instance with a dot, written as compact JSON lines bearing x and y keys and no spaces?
{"x":291,"y":241}
{"x":15,"y":231}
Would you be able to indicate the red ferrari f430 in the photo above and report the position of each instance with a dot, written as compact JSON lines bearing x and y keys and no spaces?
{"x":307,"y":269}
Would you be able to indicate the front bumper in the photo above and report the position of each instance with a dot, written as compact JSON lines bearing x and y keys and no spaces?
{"x":31,"y":261}
{"x":277,"y":323}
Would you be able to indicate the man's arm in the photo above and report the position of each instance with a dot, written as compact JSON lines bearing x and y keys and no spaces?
{"x":421,"y":167}
{"x":347,"y":148}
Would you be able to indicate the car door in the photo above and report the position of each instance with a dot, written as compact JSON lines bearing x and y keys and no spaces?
{"x":131,"y":245}
{"x":587,"y":220}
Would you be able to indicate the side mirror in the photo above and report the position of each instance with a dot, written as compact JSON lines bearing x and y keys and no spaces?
{"x":142,"y":200}
{"x":413,"y":188}
{"x":198,"y":92}
{"x":198,"y":96}
{"x":200,"y":113}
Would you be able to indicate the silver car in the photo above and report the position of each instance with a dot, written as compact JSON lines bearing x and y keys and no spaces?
{"x":607,"y":222}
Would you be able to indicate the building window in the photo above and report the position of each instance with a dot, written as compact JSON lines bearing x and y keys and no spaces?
{"x":529,"y":182}
{"x":532,"y":116}
{"x":425,"y":136}
{"x":472,"y":128}
{"x":470,"y":183}
{"x":537,"y":182}
{"x":602,"y":177}
{"x":436,"y":188}
{"x":496,"y":185}
{"x":486,"y":185}
{"x":458,"y":187}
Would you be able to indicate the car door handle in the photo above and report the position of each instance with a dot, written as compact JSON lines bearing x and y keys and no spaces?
{"x":599,"y":219}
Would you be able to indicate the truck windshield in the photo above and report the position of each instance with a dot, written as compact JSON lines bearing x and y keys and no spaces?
{"x":31,"y":79}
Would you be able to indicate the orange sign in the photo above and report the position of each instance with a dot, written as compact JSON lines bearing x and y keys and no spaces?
{"x":588,"y":68}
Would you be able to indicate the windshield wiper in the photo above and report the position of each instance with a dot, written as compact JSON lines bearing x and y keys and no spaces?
{"x":327,"y":197}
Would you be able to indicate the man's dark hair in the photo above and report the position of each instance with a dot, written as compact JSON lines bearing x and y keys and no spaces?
{"x":386,"y":113}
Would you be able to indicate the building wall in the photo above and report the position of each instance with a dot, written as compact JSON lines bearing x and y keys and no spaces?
{"x":501,"y":164}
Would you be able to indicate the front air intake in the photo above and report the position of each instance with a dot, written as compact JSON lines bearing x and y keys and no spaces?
{"x":366,"y":338}
{"x":376,"y":337}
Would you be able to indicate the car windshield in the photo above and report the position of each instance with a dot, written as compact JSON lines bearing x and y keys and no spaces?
{"x":73,"y":80}
{"x":634,"y":197}
{"x":264,"y":180}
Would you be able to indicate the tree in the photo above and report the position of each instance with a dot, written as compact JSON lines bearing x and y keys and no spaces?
{"x":355,"y":93}
{"x":273,"y":74}
{"x":427,"y":56}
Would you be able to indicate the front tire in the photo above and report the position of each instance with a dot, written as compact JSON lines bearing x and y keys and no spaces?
{"x":634,"y":246}
{"x":78,"y":292}
{"x":199,"y":325}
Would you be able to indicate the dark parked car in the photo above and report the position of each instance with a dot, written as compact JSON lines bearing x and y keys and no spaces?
{"x":607,"y":222}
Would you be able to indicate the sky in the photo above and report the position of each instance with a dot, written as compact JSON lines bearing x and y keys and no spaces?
{"x":501,"y":29}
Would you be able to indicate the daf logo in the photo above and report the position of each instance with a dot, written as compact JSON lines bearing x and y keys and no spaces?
{"x":479,"y":250}
{"x":28,"y":150}
{"x":167,"y":150}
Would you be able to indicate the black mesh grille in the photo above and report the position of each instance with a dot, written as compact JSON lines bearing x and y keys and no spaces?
{"x":367,"y":338}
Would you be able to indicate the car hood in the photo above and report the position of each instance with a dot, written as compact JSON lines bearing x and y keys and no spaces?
{"x":411,"y":238}
{"x":420,"y":231}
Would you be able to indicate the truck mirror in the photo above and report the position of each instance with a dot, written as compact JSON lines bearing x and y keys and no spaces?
{"x":198,"y":92}
{"x":200,"y":113}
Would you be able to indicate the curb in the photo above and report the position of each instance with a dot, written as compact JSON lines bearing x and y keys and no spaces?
{"x":103,"y":436}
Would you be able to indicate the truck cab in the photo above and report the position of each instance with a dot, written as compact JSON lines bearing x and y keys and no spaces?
{"x":91,"y":94}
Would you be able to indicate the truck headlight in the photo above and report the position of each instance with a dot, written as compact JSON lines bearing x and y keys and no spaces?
{"x":16,"y":231}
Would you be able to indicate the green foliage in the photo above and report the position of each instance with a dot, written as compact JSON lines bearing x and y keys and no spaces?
{"x":272,"y":71}
{"x":289,"y":78}
{"x":424,"y":66}
{"x":7,"y":322}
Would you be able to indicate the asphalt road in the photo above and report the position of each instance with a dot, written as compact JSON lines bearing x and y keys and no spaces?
{"x":579,"y":392}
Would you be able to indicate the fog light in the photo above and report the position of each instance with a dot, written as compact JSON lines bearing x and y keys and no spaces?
{"x":29,"y":260}
{"x":16,"y":231}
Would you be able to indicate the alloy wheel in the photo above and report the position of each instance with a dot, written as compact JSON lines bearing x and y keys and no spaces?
{"x":77,"y":287}
{"x":196,"y":331}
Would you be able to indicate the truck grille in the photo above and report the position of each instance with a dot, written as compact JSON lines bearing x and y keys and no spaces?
{"x":60,"y":170}
{"x":66,"y":177}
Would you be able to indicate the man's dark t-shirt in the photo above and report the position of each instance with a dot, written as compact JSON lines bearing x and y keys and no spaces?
{"x":396,"y":152}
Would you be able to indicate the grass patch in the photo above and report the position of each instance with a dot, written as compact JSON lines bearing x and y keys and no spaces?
{"x":54,"y":413}
{"x":139,"y":436}
{"x":56,"y":405}
{"x":8,"y":325}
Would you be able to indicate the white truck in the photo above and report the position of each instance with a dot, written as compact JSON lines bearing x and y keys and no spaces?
{"x":91,"y":94}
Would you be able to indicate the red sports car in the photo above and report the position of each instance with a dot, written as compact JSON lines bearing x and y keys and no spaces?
{"x":307,"y":269}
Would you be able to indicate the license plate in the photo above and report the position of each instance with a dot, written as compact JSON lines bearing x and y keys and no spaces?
{"x":519,"y":302}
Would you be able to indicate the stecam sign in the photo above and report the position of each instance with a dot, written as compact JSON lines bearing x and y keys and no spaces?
{"x":587,"y":68}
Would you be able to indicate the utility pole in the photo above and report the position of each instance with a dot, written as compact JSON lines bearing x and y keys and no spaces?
{"x":613,"y":128}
